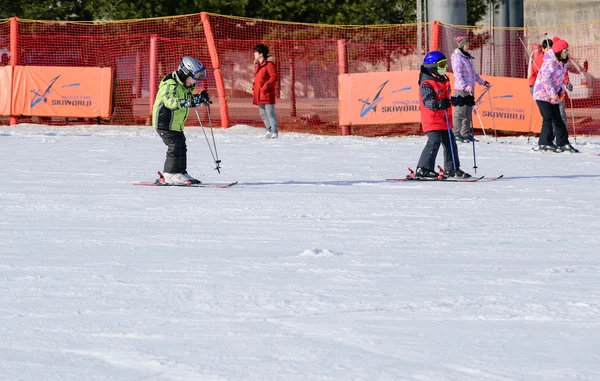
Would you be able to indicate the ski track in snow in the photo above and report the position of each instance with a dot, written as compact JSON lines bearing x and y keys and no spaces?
{"x":312,"y":268}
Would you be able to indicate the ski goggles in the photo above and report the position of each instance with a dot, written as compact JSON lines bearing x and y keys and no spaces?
{"x":198,"y":75}
{"x":440,"y":65}
{"x":443,"y":64}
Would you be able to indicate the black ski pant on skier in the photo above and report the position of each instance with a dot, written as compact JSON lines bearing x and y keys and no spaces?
{"x":552,"y":119}
{"x":176,"y":161}
{"x":429,"y":154}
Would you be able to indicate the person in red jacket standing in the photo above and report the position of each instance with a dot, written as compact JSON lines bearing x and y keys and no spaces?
{"x":436,"y":117}
{"x":263,"y":89}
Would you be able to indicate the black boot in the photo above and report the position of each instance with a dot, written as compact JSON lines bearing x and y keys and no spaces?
{"x":550,"y":148}
{"x":458,"y":173}
{"x":426,"y":173}
{"x":469,"y":139}
{"x":568,"y":147}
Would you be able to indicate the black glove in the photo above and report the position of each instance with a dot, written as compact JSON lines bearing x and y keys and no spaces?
{"x":443,"y":104}
{"x":469,"y":100}
{"x":569,"y":86}
{"x":202,"y":98}
{"x":457,"y":101}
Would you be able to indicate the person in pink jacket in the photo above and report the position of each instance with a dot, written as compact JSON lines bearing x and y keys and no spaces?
{"x":548,"y":92}
{"x":537,"y":55}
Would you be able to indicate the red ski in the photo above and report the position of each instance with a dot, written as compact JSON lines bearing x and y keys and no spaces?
{"x":160,"y":182}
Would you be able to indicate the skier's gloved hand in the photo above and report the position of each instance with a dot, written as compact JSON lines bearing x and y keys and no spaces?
{"x":196,"y":100}
{"x":557,"y":98}
{"x":202,"y":98}
{"x":185,"y":103}
{"x":457,"y":101}
{"x":569,"y":86}
{"x":469,"y":100}
{"x":487,"y":84}
{"x":443,"y":104}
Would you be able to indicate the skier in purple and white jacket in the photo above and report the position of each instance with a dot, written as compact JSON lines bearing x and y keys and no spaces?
{"x":464,"y":85}
{"x":548,"y":92}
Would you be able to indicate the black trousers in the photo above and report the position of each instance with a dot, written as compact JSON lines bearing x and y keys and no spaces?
{"x":435,"y":138}
{"x":176,"y":161}
{"x":551,"y":115}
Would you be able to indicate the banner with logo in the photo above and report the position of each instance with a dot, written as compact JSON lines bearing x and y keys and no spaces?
{"x":379,"y":98}
{"x":508,"y":104}
{"x":5,"y":89}
{"x":393,"y":97}
{"x":78,"y":92}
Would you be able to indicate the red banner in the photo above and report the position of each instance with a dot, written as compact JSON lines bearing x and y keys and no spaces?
{"x":393,"y":97}
{"x":79,"y":92}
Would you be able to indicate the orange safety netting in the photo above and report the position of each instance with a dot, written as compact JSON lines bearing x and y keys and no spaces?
{"x":506,"y":52}
{"x":309,"y":58}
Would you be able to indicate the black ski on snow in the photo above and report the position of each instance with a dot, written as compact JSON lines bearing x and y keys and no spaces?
{"x":160,"y":182}
{"x":563,"y":153}
{"x":441,"y":177}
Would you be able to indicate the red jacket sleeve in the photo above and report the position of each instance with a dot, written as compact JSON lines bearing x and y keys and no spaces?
{"x":537,"y":64}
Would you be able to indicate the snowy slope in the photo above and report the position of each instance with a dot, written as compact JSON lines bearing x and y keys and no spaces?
{"x":313,"y":268}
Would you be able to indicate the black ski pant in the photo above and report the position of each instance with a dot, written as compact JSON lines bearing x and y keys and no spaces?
{"x":435,"y":138}
{"x":551,"y":115}
{"x":176,"y":161}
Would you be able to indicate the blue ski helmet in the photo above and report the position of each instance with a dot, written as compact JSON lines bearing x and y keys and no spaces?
{"x":432,"y":58}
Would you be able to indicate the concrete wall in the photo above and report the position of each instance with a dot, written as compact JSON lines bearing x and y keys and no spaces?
{"x":557,"y":18}
{"x":539,"y":13}
{"x":560,"y":12}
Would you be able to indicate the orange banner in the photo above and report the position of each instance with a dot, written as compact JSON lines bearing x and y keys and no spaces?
{"x":511,"y":109}
{"x":5,"y":89}
{"x":79,"y":92}
{"x":393,"y":97}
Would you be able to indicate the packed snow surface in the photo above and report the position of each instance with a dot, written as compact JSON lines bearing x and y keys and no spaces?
{"x":312,"y":268}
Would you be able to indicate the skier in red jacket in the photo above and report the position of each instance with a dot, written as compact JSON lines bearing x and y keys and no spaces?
{"x":436,"y":117}
{"x":263,"y":89}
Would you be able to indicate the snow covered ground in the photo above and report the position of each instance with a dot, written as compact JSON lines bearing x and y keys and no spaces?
{"x":313,"y":268}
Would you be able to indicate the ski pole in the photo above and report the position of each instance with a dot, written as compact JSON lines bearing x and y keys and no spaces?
{"x":530,"y":57}
{"x":530,"y":121}
{"x":451,"y":141}
{"x":478,"y":100}
{"x":476,"y":111}
{"x":473,"y":141}
{"x":573,"y":117}
{"x":214,"y":155}
{"x":493,"y":118}
{"x":212,"y":134}
{"x":527,"y":53}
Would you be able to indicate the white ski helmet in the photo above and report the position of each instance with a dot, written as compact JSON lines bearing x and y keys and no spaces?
{"x":191,"y":67}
